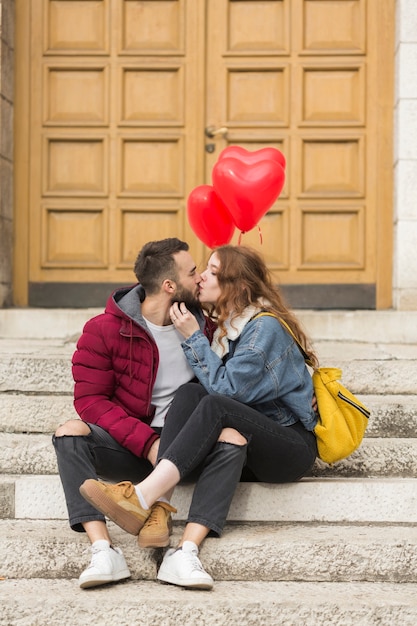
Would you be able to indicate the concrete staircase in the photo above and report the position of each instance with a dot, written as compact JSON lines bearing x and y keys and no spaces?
{"x":338,"y":548}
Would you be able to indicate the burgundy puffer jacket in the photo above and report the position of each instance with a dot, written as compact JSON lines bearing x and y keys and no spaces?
{"x":114,"y":368}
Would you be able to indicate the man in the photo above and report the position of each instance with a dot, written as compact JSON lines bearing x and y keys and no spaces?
{"x":127,"y":366}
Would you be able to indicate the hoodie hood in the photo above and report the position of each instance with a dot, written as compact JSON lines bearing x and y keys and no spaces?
{"x":126,"y":303}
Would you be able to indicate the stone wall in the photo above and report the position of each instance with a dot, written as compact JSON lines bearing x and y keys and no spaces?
{"x":6,"y":149}
{"x":405,"y":158}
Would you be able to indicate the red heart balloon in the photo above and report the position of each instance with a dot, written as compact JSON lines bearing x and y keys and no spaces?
{"x":208,"y":217}
{"x":264,"y":154}
{"x":247,"y":189}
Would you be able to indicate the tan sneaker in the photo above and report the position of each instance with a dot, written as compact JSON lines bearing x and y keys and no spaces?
{"x":158,"y":526}
{"x":118,"y":502}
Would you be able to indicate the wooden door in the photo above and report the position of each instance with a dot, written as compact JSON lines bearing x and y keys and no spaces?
{"x":113,"y":97}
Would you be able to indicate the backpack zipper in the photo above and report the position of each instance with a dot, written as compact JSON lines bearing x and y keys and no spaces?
{"x":365,"y":412}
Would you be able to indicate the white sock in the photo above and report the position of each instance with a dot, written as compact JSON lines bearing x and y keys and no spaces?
{"x":189,"y":546}
{"x":101,"y":544}
{"x":141,"y":499}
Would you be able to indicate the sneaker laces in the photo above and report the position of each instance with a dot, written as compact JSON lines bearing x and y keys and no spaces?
{"x":97,"y":556}
{"x":153,"y":519}
{"x":156,"y":513}
{"x":193,"y":560}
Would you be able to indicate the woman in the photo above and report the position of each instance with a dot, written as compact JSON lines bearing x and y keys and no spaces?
{"x":255,"y":392}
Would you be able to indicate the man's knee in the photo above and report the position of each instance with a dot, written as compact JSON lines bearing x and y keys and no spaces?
{"x":230,"y":435}
{"x":73,"y":428}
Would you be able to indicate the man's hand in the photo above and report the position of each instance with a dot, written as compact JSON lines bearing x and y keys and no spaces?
{"x":183,"y":320}
{"x":153,"y":452}
{"x":314,"y":404}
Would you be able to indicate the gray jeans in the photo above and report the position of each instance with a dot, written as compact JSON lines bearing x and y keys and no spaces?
{"x":98,"y":455}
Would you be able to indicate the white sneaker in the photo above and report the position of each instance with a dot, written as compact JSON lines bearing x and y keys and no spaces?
{"x":183,"y":567}
{"x":107,"y":565}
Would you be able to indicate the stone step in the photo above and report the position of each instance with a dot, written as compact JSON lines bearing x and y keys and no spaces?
{"x":35,"y":414}
{"x":332,"y":500}
{"x":131,"y":603}
{"x":34,"y":454}
{"x":382,"y":327}
{"x":391,"y":415}
{"x":247,"y":552}
{"x":37,"y":323}
{"x":51,"y":373}
{"x":369,"y":366}
{"x":336,"y":325}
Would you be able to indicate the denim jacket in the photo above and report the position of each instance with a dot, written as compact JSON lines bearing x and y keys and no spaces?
{"x":263,"y":369}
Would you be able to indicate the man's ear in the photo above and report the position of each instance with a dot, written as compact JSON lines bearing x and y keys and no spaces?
{"x":169,"y":286}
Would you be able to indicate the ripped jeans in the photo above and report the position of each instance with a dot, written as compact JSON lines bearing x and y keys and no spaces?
{"x":98,"y":455}
{"x":189,"y":439}
{"x":273,"y":453}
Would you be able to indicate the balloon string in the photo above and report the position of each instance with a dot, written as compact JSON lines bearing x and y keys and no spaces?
{"x":242,"y":232}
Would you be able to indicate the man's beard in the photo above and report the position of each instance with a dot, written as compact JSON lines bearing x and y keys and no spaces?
{"x":185,"y":295}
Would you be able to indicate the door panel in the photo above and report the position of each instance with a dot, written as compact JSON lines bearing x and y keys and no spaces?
{"x":113,"y":97}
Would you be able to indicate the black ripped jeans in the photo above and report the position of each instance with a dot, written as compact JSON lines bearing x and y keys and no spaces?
{"x":273,"y":454}
{"x":189,"y":439}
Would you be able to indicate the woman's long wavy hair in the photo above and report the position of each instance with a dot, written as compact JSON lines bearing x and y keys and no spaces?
{"x":244,"y":279}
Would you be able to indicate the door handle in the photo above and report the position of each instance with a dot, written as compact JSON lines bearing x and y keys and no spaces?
{"x":212,"y":131}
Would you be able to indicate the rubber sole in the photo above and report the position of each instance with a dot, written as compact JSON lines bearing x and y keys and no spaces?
{"x":160,"y":542}
{"x":117,"y":514}
{"x":96,"y":581}
{"x":181,"y":582}
{"x":165,"y":576}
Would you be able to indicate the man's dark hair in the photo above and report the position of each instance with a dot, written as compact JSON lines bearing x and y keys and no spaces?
{"x":155,"y":263}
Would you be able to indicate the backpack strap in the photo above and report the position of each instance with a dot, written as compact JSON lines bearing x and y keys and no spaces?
{"x":288,"y":329}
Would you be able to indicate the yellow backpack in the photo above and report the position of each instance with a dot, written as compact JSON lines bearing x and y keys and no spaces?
{"x":343,"y":418}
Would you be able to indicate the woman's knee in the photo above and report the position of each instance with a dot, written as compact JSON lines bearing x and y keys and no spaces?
{"x":230,"y":435}
{"x":73,"y":428}
{"x":188,"y":395}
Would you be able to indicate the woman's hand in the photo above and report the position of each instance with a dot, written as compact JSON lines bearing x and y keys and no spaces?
{"x":183,"y":320}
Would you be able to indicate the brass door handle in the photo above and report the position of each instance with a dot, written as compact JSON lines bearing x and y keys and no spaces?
{"x":212,"y":131}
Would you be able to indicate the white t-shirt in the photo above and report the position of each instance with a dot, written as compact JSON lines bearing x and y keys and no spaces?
{"x":173,"y":369}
